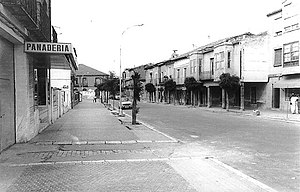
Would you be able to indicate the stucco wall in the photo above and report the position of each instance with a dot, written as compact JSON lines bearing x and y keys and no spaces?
{"x":27,"y":114}
{"x":7,"y":125}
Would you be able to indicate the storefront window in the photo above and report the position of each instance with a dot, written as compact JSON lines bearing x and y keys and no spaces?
{"x":289,"y":92}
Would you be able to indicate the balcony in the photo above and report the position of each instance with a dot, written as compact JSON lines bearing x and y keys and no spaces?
{"x":179,"y":80}
{"x":33,"y":15}
{"x":206,"y":75}
{"x":290,"y":70}
{"x":24,"y":10}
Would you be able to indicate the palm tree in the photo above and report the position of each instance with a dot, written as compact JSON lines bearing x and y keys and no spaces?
{"x":230,"y":84}
{"x":136,"y":95}
{"x":170,"y":86}
{"x":191,"y":84}
{"x":150,"y":88}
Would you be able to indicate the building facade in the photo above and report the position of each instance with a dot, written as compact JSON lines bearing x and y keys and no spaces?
{"x":24,"y":77}
{"x":26,"y":56}
{"x":284,"y":50}
{"x":267,"y":65}
{"x":243,"y":56}
{"x":87,"y":79}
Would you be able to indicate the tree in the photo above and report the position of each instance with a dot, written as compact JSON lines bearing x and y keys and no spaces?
{"x":191,"y":84}
{"x":150,"y":88}
{"x":110,"y":85}
{"x":230,"y":84}
{"x":170,"y":86}
{"x":136,"y":94}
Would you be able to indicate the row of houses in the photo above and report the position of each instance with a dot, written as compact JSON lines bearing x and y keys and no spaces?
{"x":36,"y":71}
{"x":267,"y":65}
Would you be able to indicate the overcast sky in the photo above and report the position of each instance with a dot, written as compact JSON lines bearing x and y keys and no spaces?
{"x":94,"y":27}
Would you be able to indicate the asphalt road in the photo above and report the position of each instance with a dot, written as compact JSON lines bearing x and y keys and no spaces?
{"x":267,"y":150}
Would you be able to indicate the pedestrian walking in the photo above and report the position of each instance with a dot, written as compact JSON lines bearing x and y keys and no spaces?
{"x":294,"y":103}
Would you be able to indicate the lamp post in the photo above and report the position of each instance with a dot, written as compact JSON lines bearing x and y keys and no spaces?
{"x":120,"y":101}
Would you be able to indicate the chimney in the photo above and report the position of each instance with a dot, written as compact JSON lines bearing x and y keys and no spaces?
{"x":174,"y":54}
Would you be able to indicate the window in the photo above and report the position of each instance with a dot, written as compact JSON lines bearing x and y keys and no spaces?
{"x":212,"y":65}
{"x":150,"y":76}
{"x":97,"y":81}
{"x":291,"y":54}
{"x":277,"y":57}
{"x":219,"y":59}
{"x":200,"y":64}
{"x":192,"y":66}
{"x":228,"y":59}
{"x":85,"y":82}
{"x":289,"y":91}
{"x":76,"y":82}
{"x":184,"y":73}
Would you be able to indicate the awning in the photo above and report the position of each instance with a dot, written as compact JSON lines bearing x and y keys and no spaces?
{"x":66,"y":61}
{"x":287,"y":83}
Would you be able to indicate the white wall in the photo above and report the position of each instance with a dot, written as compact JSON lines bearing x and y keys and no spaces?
{"x":61,"y":78}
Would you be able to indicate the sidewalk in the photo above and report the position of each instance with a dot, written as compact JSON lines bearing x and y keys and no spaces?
{"x":91,"y":149}
{"x":266,"y":114}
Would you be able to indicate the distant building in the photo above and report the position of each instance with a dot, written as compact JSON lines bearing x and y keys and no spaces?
{"x":127,"y":83}
{"x":87,"y":79}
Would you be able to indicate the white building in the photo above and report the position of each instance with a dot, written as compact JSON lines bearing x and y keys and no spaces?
{"x":284,"y":50}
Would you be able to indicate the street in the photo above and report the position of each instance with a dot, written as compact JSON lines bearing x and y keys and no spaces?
{"x":173,"y":148}
{"x":267,"y":150}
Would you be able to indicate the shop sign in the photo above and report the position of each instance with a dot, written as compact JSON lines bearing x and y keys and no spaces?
{"x":44,"y":47}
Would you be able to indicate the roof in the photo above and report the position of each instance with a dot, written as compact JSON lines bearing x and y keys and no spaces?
{"x":205,"y":48}
{"x":86,"y":70}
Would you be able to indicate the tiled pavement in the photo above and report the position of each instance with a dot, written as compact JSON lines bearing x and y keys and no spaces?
{"x":97,"y":153}
{"x":112,"y":176}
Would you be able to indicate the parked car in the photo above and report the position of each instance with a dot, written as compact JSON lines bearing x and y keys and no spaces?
{"x":126,"y":105}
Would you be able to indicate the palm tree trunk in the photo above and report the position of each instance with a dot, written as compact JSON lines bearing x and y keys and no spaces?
{"x":133,"y":112}
{"x":227,"y":101}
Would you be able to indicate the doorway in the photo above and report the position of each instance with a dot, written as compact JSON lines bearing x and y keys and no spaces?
{"x":276,"y":98}
{"x":7,"y":102}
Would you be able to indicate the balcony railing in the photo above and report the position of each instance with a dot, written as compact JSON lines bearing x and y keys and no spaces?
{"x":179,"y":80}
{"x":24,"y":10}
{"x":206,"y":75}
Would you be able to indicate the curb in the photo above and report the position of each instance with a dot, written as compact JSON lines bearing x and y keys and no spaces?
{"x":155,"y":130}
{"x":241,"y":113}
{"x":101,"y":142}
{"x":244,"y":176}
{"x":102,"y":161}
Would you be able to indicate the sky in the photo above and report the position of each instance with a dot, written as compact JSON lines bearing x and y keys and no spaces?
{"x":95,"y":27}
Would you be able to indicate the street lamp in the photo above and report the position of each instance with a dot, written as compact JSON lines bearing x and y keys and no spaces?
{"x":120,"y":101}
